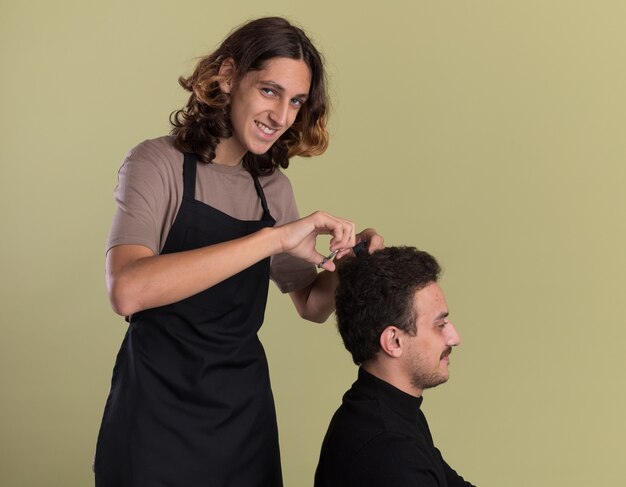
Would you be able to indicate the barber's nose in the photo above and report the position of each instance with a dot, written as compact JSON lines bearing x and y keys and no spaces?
{"x":454,"y":338}
{"x":280,"y":113}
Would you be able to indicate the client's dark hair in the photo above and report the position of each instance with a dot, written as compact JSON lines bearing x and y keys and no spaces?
{"x":378,"y":290}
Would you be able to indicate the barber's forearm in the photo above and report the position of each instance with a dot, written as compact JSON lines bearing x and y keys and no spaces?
{"x":317,"y":301}
{"x":138,"y":280}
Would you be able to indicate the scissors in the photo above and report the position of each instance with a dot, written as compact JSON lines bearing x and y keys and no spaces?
{"x":359,"y":250}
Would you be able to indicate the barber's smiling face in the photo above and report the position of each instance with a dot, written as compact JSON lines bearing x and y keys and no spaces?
{"x":426,"y":356}
{"x":265,"y":103}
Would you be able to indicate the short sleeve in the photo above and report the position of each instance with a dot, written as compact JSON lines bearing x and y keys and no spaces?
{"x":147,"y":198}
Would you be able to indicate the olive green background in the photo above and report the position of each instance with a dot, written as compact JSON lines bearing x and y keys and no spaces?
{"x":489,"y":133}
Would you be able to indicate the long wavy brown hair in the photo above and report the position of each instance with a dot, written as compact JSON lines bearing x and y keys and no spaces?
{"x":205,"y":119}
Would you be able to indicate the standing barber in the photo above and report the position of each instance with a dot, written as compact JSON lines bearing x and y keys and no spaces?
{"x":205,"y":217}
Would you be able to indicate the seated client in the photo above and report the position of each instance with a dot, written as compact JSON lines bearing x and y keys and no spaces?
{"x":393,"y":319}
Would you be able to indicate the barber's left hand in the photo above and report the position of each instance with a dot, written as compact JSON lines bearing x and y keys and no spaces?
{"x":375,"y":242}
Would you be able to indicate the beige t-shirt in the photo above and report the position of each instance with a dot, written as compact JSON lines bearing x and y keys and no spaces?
{"x":150,"y":190}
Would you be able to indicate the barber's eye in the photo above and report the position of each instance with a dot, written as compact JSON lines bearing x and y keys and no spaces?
{"x":297,"y":102}
{"x":268,"y":91}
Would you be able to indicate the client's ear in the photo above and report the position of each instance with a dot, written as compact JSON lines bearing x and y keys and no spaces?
{"x":227,"y":70}
{"x":390,"y":341}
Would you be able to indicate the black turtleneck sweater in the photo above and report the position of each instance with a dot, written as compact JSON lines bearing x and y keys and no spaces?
{"x":379,"y":437}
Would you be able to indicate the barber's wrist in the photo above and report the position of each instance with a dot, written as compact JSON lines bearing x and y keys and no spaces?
{"x":269,"y":238}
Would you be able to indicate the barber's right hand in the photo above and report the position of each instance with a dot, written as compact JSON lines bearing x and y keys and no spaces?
{"x":298,"y":238}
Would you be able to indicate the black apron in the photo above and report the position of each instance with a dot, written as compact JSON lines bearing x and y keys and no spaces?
{"x":190,"y":402}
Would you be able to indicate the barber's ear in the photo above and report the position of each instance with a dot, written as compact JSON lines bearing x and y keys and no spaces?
{"x":227,"y":70}
{"x":390,"y":342}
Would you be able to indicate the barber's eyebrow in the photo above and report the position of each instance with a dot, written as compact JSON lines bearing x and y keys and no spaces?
{"x":280,"y":88}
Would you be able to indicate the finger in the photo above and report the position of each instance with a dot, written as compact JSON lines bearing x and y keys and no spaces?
{"x":342,"y":231}
{"x":343,"y":236}
{"x":329,"y":265}
{"x":342,"y":253}
{"x":375,"y":241}
{"x":330,"y":256}
{"x":328,"y":224}
{"x":323,"y":264}
{"x":361,"y":246}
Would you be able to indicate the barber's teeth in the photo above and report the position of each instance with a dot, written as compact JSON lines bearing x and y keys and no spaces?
{"x":264,"y":128}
